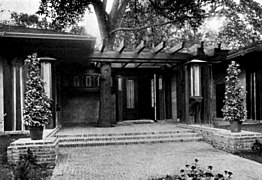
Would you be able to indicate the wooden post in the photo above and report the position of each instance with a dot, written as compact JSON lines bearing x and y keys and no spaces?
{"x":1,"y":95}
{"x":120,"y":98}
{"x":174,"y":96}
{"x":207,"y":93}
{"x":187,"y":89}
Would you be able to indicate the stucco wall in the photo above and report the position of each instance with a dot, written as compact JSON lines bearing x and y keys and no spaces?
{"x":83,"y":109}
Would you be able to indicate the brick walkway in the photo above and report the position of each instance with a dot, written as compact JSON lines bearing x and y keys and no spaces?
{"x":134,"y":162}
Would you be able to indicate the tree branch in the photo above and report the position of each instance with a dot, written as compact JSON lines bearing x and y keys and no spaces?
{"x":149,"y":26}
{"x":104,"y":4}
{"x":101,"y":18}
{"x":117,"y":12}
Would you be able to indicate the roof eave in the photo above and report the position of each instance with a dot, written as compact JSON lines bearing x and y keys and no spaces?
{"x":46,"y":36}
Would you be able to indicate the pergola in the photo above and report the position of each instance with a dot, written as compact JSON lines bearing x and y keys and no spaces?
{"x":158,"y":57}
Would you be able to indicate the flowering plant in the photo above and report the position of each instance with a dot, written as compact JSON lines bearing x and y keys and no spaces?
{"x":234,"y":103}
{"x":36,"y":103}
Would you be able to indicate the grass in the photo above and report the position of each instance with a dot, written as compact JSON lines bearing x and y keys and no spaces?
{"x":253,"y":156}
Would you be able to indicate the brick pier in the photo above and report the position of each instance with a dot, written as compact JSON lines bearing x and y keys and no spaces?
{"x":46,"y":150}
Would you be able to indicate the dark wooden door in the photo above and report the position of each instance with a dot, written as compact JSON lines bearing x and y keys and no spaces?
{"x":136,"y":98}
{"x":145,"y":108}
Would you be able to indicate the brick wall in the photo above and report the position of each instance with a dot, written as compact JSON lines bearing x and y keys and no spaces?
{"x":46,"y":150}
{"x":226,"y":140}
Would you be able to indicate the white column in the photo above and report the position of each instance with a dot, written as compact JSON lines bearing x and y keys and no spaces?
{"x":46,"y":72}
{"x":1,"y":95}
{"x":22,"y":96}
{"x":14,"y":95}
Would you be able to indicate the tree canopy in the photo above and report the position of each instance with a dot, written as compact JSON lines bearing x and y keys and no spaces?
{"x":157,"y":20}
{"x":130,"y":15}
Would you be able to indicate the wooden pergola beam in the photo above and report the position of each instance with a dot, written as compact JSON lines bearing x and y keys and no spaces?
{"x":159,"y":47}
{"x":139,"y":64}
{"x":140,"y":47}
{"x":102,"y":48}
{"x":121,"y":48}
{"x":114,"y":56}
{"x":177,"y":48}
{"x":124,"y":65}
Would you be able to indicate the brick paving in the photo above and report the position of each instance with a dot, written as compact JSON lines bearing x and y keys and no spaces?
{"x":135,"y":162}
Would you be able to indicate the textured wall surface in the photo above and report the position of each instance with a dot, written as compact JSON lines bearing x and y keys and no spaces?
{"x":46,"y":150}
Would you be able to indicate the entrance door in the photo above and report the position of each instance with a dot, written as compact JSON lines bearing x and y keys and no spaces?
{"x":145,"y":108}
{"x":136,"y":100}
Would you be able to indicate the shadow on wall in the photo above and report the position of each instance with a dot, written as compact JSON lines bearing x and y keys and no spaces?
{"x":81,"y":109}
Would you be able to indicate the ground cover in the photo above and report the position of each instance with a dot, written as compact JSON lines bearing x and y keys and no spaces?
{"x":5,"y":140}
{"x":7,"y":172}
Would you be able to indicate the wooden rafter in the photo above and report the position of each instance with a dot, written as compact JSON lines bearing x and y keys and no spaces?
{"x":140,"y":47}
{"x":159,"y":47}
{"x":177,"y":48}
{"x":121,"y":48}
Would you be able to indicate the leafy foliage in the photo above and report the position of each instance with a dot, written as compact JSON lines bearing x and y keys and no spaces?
{"x":28,"y":169}
{"x":36,"y":103}
{"x":194,"y":172}
{"x":242,"y":23}
{"x":234,"y":102}
{"x":35,"y":21}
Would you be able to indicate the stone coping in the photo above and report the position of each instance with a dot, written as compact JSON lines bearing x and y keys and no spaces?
{"x":28,"y":141}
{"x":4,"y":133}
{"x":227,"y":132}
{"x":225,"y":139}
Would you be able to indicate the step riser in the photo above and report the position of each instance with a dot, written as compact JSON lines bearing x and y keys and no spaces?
{"x":124,"y":138}
{"x":127,"y":143}
{"x":124,"y":134}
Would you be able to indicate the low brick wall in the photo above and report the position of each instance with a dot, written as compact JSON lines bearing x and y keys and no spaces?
{"x":226,"y":140}
{"x":254,"y":126}
{"x":46,"y":150}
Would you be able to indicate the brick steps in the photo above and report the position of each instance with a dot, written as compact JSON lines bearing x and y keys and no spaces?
{"x":76,"y":140}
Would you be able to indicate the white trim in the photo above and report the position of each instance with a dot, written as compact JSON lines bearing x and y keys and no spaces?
{"x":14,"y":96}
{"x":155,"y":110}
{"x":46,"y":36}
{"x":22,"y":96}
{"x":1,"y":96}
{"x":47,"y":77}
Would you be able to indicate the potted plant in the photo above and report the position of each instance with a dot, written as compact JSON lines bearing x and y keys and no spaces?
{"x":234,"y":109}
{"x":37,"y":104}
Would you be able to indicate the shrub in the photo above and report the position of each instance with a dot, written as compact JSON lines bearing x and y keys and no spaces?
{"x":234,"y":107}
{"x":194,"y":172}
{"x":28,"y":169}
{"x":36,"y":104}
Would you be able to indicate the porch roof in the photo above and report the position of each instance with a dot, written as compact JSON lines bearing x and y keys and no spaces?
{"x":63,"y":46}
{"x":257,"y":47}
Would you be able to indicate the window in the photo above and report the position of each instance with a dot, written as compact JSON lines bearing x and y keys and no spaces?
{"x":130,"y":93}
{"x":88,"y":81}
{"x":76,"y":82}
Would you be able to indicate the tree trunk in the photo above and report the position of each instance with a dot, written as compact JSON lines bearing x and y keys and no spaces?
{"x":105,"y":110}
